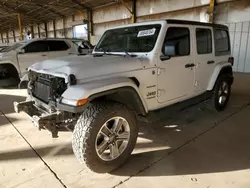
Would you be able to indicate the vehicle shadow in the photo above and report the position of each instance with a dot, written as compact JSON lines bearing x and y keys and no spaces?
{"x":6,"y":107}
{"x":6,"y":102}
{"x":185,"y":153}
{"x":42,"y":151}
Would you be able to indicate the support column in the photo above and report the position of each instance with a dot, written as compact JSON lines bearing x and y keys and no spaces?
{"x":64,"y":27}
{"x":90,"y":24}
{"x":20,"y":26}
{"x":133,"y":11}
{"x":2,"y":37}
{"x":46,"y":30}
{"x":64,"y":30}
{"x":14,"y":35}
{"x":38,"y":30}
{"x":211,"y":11}
{"x":54,"y":28}
{"x":32,"y":32}
{"x":7,"y":37}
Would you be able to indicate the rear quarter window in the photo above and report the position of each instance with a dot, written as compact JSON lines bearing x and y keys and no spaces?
{"x":222,"y":42}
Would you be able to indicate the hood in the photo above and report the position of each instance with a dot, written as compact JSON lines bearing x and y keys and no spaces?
{"x":88,"y":66}
{"x":7,"y":55}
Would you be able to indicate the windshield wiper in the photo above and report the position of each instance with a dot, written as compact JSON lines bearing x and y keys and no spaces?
{"x":107,"y":52}
{"x":104,"y":53}
{"x":127,"y":53}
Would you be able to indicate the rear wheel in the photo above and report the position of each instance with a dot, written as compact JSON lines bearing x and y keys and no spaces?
{"x":105,"y":136}
{"x":9,"y":75}
{"x":221,"y":93}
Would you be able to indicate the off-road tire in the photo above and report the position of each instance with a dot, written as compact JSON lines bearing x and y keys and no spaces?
{"x":87,"y":128}
{"x":215,"y":96}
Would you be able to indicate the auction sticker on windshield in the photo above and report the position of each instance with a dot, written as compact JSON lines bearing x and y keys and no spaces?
{"x":145,"y":33}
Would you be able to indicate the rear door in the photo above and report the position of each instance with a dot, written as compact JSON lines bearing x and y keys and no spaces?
{"x":58,"y":48}
{"x":204,"y":57}
{"x":36,"y":51}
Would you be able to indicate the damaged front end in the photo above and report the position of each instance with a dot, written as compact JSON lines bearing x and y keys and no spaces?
{"x":43,"y":104}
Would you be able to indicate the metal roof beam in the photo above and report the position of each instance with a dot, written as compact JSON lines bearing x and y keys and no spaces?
{"x":9,"y":8}
{"x":81,"y":5}
{"x":45,"y":4}
{"x":51,"y":10}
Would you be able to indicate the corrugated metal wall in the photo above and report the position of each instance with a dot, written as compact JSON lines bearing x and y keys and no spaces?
{"x":240,"y":42}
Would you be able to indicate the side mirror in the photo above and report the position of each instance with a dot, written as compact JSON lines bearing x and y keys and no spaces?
{"x":22,"y":51}
{"x":169,"y":51}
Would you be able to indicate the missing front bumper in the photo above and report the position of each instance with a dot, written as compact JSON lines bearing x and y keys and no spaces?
{"x":39,"y":117}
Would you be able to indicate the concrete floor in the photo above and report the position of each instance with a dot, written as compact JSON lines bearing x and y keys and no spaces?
{"x":195,"y":148}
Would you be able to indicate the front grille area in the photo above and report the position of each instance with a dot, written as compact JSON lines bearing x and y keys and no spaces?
{"x":42,"y":91}
{"x":46,"y":87}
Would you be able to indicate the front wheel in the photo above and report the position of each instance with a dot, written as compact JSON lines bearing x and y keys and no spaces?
{"x":105,"y":136}
{"x":221,"y":93}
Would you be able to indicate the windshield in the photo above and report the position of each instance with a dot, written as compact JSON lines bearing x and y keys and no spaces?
{"x":13,"y":47}
{"x":129,"y":39}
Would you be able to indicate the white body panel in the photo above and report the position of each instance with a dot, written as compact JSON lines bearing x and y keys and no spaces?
{"x":91,"y":88}
{"x":215,"y":74}
{"x":204,"y":69}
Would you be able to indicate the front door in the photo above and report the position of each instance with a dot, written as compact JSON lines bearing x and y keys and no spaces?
{"x":34,"y":52}
{"x":176,"y":75}
{"x":204,"y":57}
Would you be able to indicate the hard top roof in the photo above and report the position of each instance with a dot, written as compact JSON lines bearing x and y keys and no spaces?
{"x":172,"y":21}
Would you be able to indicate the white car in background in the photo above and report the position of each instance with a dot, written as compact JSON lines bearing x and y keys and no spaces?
{"x":2,"y":48}
{"x":15,"y":60}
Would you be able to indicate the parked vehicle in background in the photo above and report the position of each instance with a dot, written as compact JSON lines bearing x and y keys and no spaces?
{"x":3,"y":48}
{"x":134,"y":70}
{"x":15,"y":60}
{"x":84,"y":47}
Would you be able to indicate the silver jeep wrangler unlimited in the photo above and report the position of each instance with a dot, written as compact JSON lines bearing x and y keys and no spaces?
{"x":134,"y":70}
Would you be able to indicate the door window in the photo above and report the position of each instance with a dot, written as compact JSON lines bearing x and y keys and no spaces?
{"x":204,"y":41}
{"x":222,"y":43}
{"x":37,"y":46}
{"x":180,"y":38}
{"x":56,"y":45}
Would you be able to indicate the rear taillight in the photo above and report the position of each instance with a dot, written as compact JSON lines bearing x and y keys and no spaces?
{"x":231,"y":60}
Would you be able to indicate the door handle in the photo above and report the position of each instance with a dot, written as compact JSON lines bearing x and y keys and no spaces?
{"x":210,"y":62}
{"x":189,"y":65}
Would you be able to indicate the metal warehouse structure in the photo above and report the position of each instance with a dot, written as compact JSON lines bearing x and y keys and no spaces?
{"x":57,"y":18}
{"x":240,"y":42}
